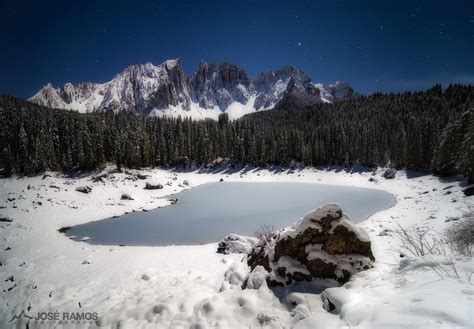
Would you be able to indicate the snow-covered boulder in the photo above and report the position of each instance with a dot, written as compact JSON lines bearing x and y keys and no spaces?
{"x":325,"y":244}
{"x":84,"y":189}
{"x":389,"y":173}
{"x":141,"y":176}
{"x":257,"y":278}
{"x":234,"y":243}
{"x":126,"y":196}
{"x":469,"y":191}
{"x":153,"y":186}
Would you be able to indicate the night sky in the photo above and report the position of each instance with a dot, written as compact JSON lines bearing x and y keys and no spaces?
{"x":375,"y":46}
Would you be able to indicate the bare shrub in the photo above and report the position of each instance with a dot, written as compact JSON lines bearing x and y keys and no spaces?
{"x":265,"y":234}
{"x":420,"y":242}
{"x":433,"y":248}
{"x":429,"y":247}
{"x":460,"y":236}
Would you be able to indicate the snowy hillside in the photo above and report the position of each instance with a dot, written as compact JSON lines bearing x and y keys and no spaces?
{"x":165,"y":90}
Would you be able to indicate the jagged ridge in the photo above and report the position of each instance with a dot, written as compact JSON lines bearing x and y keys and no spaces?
{"x":165,"y":90}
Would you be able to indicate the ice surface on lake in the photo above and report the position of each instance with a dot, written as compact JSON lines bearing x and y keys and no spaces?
{"x":207,"y":213}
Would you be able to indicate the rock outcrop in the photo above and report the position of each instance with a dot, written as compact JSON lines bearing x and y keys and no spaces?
{"x":325,"y":244}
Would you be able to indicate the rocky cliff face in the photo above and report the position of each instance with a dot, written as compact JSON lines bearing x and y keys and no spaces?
{"x":165,"y":90}
{"x":221,"y":86}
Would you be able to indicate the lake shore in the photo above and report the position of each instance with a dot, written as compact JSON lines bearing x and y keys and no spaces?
{"x":180,"y":286}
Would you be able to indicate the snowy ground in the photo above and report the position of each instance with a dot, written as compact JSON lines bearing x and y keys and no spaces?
{"x":193,"y":286}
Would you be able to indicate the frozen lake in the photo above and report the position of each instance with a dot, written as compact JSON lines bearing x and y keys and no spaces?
{"x":209,"y":212}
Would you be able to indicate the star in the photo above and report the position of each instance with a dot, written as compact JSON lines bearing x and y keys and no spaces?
{"x":299,"y":44}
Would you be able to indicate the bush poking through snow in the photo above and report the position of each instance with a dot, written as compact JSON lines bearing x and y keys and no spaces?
{"x":419,"y":242}
{"x":265,"y":234}
{"x":460,"y":236}
{"x":431,"y":251}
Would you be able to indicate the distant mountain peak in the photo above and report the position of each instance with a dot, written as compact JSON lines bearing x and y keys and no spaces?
{"x":165,"y":90}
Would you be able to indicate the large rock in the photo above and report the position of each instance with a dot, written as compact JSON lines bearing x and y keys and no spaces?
{"x":84,"y":189}
{"x":141,"y":176}
{"x":325,"y":244}
{"x":389,"y":173}
{"x":469,"y":191}
{"x":153,"y":186}
{"x":126,"y":196}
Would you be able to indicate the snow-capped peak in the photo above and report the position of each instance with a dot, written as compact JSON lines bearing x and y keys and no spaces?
{"x":165,"y":90}
{"x":171,"y":63}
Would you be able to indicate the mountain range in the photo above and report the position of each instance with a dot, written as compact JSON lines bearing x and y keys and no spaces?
{"x":165,"y":90}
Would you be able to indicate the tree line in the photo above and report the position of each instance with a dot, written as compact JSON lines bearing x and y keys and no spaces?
{"x":429,"y":131}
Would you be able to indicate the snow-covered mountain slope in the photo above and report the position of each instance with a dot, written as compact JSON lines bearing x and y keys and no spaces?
{"x":165,"y":90}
